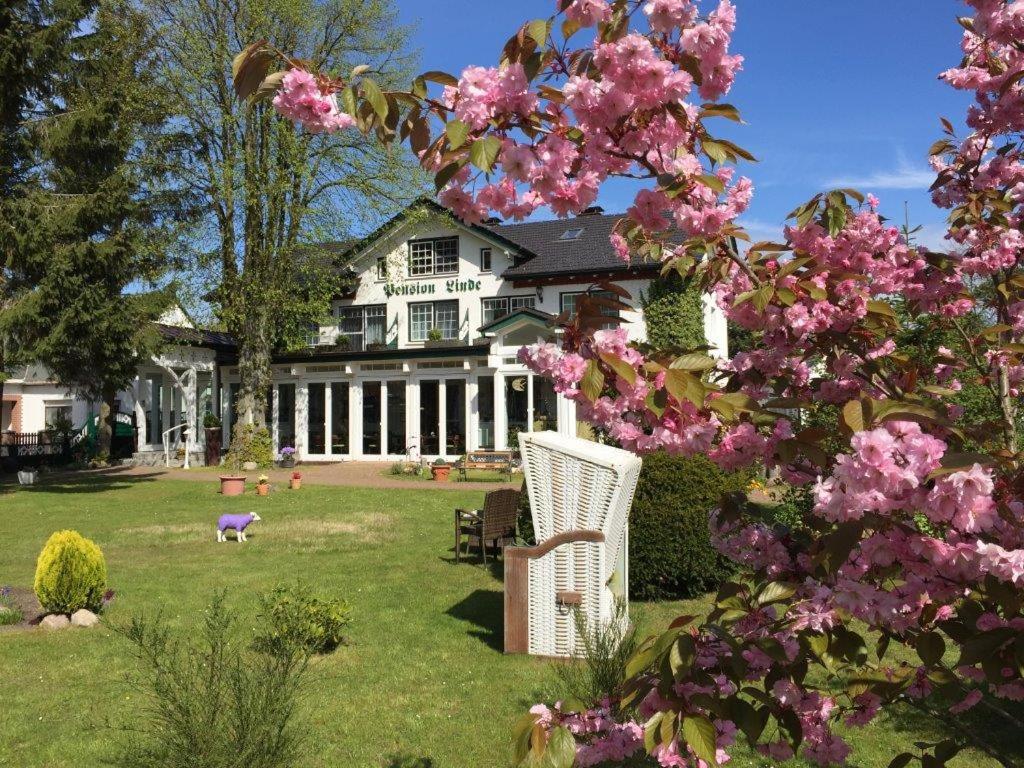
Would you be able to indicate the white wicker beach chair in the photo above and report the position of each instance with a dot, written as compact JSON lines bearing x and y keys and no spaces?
{"x":580,"y":496}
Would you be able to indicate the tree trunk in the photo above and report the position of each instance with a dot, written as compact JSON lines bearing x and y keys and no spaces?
{"x":105,"y":427}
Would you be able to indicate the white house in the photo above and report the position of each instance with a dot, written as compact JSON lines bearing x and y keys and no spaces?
{"x":420,"y":358}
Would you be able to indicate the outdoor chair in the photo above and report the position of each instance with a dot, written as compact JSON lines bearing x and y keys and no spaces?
{"x":494,"y":524}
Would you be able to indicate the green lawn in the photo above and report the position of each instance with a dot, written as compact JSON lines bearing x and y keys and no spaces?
{"x":423,"y":676}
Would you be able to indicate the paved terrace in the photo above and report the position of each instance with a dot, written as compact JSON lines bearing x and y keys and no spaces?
{"x":361,"y":474}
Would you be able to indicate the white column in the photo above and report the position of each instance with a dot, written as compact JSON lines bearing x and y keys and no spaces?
{"x":140,"y":412}
{"x":412,"y":417}
{"x":442,"y":417}
{"x":500,"y":416}
{"x":472,"y":414}
{"x":301,"y":417}
{"x":566,"y":416}
{"x":328,"y":399}
{"x":355,"y":418}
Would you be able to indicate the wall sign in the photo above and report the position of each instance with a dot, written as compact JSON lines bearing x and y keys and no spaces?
{"x":454,"y":285}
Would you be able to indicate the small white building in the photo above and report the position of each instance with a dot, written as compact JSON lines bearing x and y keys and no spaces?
{"x":419,"y":359}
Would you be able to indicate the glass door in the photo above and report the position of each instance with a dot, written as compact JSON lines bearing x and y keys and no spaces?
{"x":455,"y":417}
{"x":430,"y":418}
{"x":396,"y":418}
{"x":285,"y":416}
{"x":485,"y":411}
{"x":516,"y":407}
{"x":339,"y":418}
{"x":372,"y":410}
{"x":316,"y":434}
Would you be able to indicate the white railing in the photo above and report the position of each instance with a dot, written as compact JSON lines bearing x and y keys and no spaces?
{"x":167,"y":444}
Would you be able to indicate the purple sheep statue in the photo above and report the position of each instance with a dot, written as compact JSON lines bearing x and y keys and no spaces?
{"x":238,"y":522}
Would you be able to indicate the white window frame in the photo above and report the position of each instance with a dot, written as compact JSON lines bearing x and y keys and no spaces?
{"x":509,"y":305}
{"x":425,"y":256}
{"x":420,"y":330}
{"x":366,"y":311}
{"x":486,"y":254}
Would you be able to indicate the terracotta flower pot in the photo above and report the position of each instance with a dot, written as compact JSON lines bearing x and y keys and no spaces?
{"x":440,"y":473}
{"x":296,"y":484}
{"x":232,"y":485}
{"x":262,"y":489}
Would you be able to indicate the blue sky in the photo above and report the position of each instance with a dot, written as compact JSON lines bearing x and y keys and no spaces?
{"x":834,"y":93}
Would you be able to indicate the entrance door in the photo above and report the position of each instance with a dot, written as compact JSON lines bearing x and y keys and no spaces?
{"x":285,"y":416}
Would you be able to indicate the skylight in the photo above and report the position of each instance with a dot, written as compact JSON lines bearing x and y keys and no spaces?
{"x":571,"y":234}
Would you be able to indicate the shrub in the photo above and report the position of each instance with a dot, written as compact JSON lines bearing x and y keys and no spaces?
{"x":70,"y":574}
{"x":10,"y":611}
{"x":209,"y":702}
{"x":598,"y":670}
{"x":294,"y":619}
{"x":251,"y":443}
{"x":670,"y":551}
{"x":674,"y":314}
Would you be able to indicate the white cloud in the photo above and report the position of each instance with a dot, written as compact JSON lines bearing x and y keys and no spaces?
{"x":761,"y":230}
{"x":905,"y":176}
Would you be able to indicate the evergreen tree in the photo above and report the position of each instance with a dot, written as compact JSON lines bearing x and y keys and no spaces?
{"x":90,"y":239}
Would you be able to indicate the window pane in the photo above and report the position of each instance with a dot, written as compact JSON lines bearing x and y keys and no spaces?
{"x":376,"y":324}
{"x":493,"y":309}
{"x":516,"y":397}
{"x":430,"y":423}
{"x":446,"y":255}
{"x":569,"y":303}
{"x":421,"y":258}
{"x":485,"y":259}
{"x":522,"y":302}
{"x":446,"y":317}
{"x":317,"y":411}
{"x":285,"y":416}
{"x":421,"y":320}
{"x":545,"y":404}
{"x":382,"y":268}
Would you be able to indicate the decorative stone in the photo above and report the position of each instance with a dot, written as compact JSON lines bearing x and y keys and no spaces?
{"x":250,"y":466}
{"x":55,"y":621}
{"x":84,"y":618}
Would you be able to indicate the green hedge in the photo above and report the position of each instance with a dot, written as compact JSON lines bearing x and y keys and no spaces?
{"x":670,"y":552}
{"x":674,"y":314}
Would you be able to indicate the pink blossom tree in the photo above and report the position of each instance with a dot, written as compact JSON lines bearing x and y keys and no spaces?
{"x":903,"y":581}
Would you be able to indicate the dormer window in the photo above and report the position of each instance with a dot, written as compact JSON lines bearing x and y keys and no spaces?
{"x":571,"y":234}
{"x":438,"y":256}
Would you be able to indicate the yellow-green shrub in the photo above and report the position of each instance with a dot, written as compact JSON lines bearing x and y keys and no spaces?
{"x":70,"y":574}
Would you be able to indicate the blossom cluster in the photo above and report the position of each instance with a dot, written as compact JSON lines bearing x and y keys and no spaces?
{"x":303,"y":100}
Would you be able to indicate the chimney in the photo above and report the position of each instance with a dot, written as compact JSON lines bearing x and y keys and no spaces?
{"x":594,"y":210}
{"x":492,"y":221}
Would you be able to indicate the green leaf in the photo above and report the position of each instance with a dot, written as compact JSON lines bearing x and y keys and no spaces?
{"x":623,"y":369}
{"x":457,"y":131}
{"x":538,"y":30}
{"x":592,"y":383}
{"x":694,"y":361}
{"x":561,"y":752}
{"x":901,"y":760}
{"x":853,"y":416}
{"x":721,"y":110}
{"x":484,"y":152}
{"x":683,"y":385}
{"x":776,"y":592}
{"x":699,"y":733}
{"x":373,"y":94}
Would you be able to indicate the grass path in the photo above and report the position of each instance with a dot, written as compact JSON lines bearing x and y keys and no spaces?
{"x":424,"y":675}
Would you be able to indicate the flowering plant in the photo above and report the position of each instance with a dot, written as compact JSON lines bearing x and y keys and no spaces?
{"x":915,"y":529}
{"x":296,"y":475}
{"x":287,"y":451}
{"x":262,"y":480}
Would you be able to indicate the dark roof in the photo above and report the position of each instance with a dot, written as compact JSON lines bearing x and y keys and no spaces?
{"x":196,"y":337}
{"x":557,"y":252}
{"x":526,"y":312}
{"x":432,"y":205}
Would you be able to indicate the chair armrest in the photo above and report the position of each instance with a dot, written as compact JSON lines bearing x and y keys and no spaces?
{"x":468,"y":515}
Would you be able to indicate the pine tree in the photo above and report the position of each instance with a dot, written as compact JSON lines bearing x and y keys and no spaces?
{"x":90,"y":237}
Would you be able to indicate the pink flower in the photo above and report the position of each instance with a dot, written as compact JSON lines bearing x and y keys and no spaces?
{"x":300,"y":99}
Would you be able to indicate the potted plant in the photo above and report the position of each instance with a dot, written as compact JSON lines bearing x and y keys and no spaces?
{"x":287,"y":457}
{"x":212,"y":431}
{"x":440,"y":470}
{"x":342,"y":342}
{"x":262,"y":485}
{"x":234,"y":484}
{"x":296,"y":481}
{"x":435,"y":338}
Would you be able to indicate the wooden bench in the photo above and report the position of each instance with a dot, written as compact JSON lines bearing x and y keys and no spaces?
{"x":498,"y":461}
